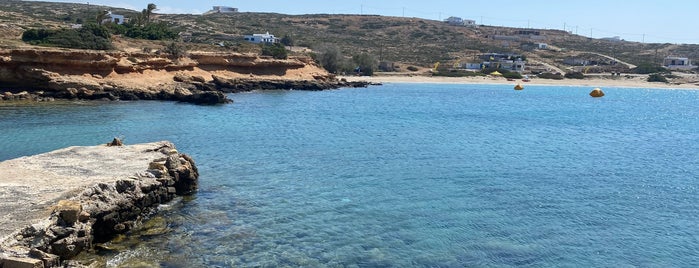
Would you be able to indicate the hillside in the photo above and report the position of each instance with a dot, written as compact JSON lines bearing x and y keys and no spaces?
{"x":409,"y":41}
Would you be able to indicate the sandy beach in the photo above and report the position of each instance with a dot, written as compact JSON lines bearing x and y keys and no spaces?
{"x":691,"y":82}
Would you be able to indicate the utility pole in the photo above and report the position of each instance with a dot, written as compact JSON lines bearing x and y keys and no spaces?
{"x":403,"y":12}
{"x":361,"y":10}
{"x":644,"y":39}
{"x":564,"y":27}
{"x":576,"y":29}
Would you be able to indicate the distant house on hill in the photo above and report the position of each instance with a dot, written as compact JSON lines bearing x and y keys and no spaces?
{"x":224,"y":9}
{"x":460,"y":22}
{"x":454,"y":21}
{"x":612,"y":39}
{"x":573,"y":61}
{"x":265,"y":38}
{"x":114,"y":18}
{"x":678,"y":63}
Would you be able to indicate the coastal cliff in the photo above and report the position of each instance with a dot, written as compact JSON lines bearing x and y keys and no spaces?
{"x":63,"y":202}
{"x":201,"y":78}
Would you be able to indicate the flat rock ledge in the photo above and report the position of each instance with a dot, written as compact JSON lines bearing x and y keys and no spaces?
{"x":65,"y":201}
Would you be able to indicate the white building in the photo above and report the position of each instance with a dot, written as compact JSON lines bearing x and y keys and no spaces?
{"x":470,"y":23}
{"x":460,"y":22}
{"x":114,"y":18}
{"x":678,"y":63}
{"x":224,"y":9}
{"x":262,"y":38}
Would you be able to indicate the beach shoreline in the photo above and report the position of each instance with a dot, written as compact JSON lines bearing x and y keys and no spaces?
{"x":631,"y":81}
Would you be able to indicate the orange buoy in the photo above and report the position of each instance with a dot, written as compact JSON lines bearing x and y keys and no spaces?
{"x":597,"y":93}
{"x":519,"y":87}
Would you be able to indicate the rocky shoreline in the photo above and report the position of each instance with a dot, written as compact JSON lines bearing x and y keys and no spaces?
{"x":204,"y":78}
{"x":92,"y":209}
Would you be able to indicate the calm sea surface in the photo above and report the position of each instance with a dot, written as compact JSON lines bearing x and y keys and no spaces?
{"x":407,"y":175}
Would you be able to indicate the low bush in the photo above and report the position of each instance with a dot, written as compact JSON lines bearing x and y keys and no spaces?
{"x":656,"y":77}
{"x":413,"y":68}
{"x":176,"y":50}
{"x":457,"y":73}
{"x":152,"y":31}
{"x":277,"y":51}
{"x":90,"y":36}
{"x":512,"y":75}
{"x":550,"y":76}
{"x":574,"y":75}
{"x":648,"y":68}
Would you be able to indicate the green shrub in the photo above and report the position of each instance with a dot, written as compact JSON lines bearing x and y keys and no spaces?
{"x":575,"y":75}
{"x":648,"y":68}
{"x":287,"y":40}
{"x":656,"y":77}
{"x":366,"y":63}
{"x":277,"y":51}
{"x":151,"y":31}
{"x":512,"y":75}
{"x":413,"y":68}
{"x":330,"y":59}
{"x":550,"y":76}
{"x":457,"y":73}
{"x":90,"y":36}
{"x":175,"y":49}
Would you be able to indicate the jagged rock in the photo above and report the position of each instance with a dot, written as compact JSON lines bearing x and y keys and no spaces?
{"x":109,"y":208}
{"x":208,"y":97}
{"x":68,"y":211}
{"x":13,"y":262}
{"x":49,"y":260}
{"x":199,"y":79}
{"x":248,"y":84}
{"x":116,"y":142}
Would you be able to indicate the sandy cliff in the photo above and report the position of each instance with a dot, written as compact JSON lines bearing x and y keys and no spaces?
{"x":62,"y":73}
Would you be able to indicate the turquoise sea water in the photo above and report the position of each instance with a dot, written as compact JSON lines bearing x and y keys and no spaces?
{"x":409,"y":175}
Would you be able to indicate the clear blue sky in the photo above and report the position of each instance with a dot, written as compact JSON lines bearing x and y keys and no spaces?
{"x":669,"y":21}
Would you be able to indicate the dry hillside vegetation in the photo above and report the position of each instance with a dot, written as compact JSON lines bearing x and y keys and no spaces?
{"x":411,"y":41}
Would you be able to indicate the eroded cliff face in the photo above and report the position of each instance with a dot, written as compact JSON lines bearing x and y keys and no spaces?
{"x":83,"y":74}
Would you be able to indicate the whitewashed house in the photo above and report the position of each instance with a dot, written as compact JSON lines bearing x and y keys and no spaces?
{"x":114,"y":18}
{"x":265,"y":38}
{"x":224,"y":9}
{"x":678,"y":63}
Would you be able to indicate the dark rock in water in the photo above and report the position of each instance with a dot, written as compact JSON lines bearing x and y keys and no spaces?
{"x":250,"y":84}
{"x":116,"y":142}
{"x":207,"y":97}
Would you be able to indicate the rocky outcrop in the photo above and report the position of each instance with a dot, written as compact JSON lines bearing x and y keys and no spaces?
{"x":202,"y":78}
{"x":250,"y":84}
{"x":102,"y":211}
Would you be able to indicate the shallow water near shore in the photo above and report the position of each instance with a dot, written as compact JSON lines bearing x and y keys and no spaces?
{"x":406,"y":175}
